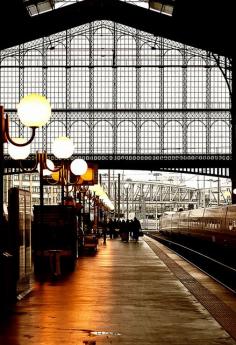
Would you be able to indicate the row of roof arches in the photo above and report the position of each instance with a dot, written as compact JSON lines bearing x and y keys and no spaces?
{"x":61,"y":125}
{"x":54,"y":41}
{"x":196,"y":61}
{"x":35,"y":57}
{"x":72,"y":123}
{"x":149,"y":133}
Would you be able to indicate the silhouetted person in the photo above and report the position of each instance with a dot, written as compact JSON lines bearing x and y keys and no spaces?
{"x":104,"y":232}
{"x":110,"y":226}
{"x":124,"y":231}
{"x":136,"y":229}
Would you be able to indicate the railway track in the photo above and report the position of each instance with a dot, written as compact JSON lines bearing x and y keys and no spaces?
{"x":213,"y":267}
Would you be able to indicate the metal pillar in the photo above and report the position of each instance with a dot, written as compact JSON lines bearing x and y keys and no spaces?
{"x":1,"y":172}
{"x":109,"y":183}
{"x":127,"y":203}
{"x":233,"y":121}
{"x":118,"y":196}
{"x":115,"y":199}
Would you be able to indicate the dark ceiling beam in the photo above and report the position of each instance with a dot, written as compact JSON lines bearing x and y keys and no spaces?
{"x":184,"y":27}
{"x":128,"y":161}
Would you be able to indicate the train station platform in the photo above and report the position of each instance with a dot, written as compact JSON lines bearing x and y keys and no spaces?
{"x":126,"y":293}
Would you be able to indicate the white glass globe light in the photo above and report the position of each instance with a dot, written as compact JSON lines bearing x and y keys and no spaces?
{"x":63,"y":147}
{"x":78,"y":167}
{"x":47,"y":172}
{"x":18,"y":152}
{"x":34,"y":110}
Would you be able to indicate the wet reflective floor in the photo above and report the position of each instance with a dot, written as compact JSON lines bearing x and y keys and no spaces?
{"x":124,"y":294}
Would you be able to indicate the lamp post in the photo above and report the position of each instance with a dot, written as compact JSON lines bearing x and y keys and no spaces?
{"x":69,"y":173}
{"x":34,"y":111}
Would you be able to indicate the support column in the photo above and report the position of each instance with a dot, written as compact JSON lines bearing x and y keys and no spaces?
{"x":161,"y":95}
{"x":118,"y":204}
{"x":115,"y":198}
{"x":91,"y":89}
{"x":114,"y":89}
{"x":233,"y":145}
{"x":1,"y":171}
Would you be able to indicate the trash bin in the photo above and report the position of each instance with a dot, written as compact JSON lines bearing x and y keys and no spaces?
{"x":8,"y":281}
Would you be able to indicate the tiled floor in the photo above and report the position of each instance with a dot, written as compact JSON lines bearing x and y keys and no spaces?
{"x":124,"y":294}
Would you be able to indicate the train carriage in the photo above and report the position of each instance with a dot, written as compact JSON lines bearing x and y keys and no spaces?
{"x":215,"y":224}
{"x":196,"y":221}
{"x":166,"y":221}
{"x":183,"y":221}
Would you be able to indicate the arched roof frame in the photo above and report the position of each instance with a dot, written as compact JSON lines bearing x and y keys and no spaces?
{"x":142,"y":38}
{"x":183,"y":26}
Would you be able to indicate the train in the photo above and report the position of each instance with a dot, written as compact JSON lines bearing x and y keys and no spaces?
{"x":215,"y":224}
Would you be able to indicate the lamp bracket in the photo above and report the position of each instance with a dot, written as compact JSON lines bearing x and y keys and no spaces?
{"x":41,"y":159}
{"x":7,"y":135}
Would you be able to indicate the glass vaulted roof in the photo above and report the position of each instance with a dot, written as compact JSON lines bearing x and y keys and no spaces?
{"x":35,"y":7}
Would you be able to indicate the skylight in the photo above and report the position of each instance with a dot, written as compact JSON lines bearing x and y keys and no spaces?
{"x":35,"y":7}
{"x":162,"y":6}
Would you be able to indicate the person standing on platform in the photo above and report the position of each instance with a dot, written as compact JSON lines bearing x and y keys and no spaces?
{"x":110,"y":226}
{"x":124,"y":231}
{"x":131,"y":228}
{"x":136,"y":229}
{"x":104,"y":232}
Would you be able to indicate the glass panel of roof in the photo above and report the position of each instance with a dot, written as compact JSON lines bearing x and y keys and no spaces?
{"x":39,"y":6}
{"x":162,"y":6}
{"x":35,"y":7}
{"x":62,"y":3}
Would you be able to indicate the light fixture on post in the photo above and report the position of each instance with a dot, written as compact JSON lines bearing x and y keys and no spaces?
{"x":62,"y":147}
{"x":48,"y":168}
{"x":69,"y":174}
{"x":18,"y":152}
{"x":101,"y":201}
{"x":34,"y":111}
{"x":78,"y":166}
{"x":45,"y":167}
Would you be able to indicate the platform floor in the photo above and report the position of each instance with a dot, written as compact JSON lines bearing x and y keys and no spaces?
{"x":124,"y":294}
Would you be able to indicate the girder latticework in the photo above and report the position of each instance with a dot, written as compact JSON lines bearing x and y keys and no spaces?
{"x":152,"y":198}
{"x":119,"y":91}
